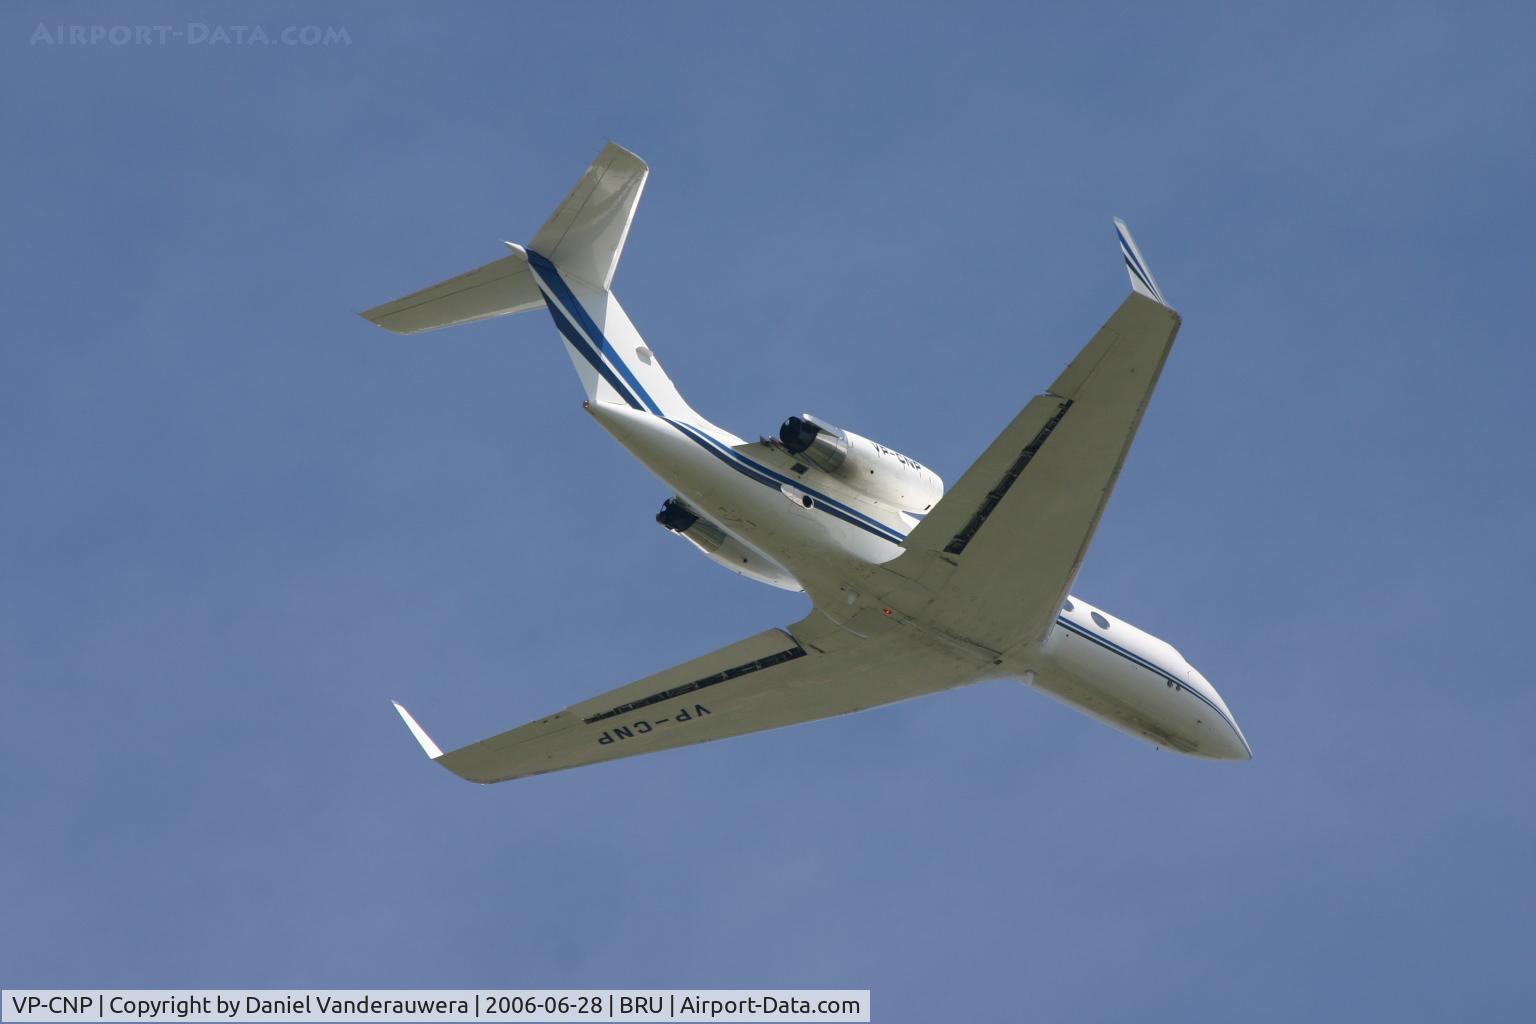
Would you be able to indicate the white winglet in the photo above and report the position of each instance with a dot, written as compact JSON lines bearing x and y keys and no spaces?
{"x":1142,"y":281}
{"x":421,"y":734}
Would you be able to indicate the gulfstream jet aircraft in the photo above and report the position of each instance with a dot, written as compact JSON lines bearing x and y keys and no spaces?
{"x":916,"y":589}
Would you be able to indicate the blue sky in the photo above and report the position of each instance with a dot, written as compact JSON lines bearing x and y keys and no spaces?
{"x":238,"y":520}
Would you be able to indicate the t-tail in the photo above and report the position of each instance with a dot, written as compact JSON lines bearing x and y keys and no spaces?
{"x":568,"y":269}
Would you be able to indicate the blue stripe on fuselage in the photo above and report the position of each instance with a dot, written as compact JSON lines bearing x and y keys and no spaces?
{"x":771,"y":478}
{"x":577,"y":342}
{"x":1137,"y":659}
{"x":550,"y":276}
{"x":585,"y":336}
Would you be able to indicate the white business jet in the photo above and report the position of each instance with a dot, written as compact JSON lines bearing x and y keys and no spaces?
{"x":916,"y":590}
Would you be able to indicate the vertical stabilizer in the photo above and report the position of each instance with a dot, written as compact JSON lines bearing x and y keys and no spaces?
{"x":572,"y":260}
{"x":567,"y":268}
{"x":612,"y":360}
{"x":585,"y":235}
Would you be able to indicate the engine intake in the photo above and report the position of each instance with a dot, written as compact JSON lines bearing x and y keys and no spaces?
{"x":872,"y":469}
{"x":676,"y":516}
{"x":818,"y":442}
{"x":723,"y":548}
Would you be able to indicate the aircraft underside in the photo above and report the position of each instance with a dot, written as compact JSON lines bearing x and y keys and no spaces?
{"x":915,"y":589}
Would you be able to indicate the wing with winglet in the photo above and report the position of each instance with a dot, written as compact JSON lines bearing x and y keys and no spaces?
{"x":763,"y":682}
{"x":996,"y":556}
{"x":1002,"y":547}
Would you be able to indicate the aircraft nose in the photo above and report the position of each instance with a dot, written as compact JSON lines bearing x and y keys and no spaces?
{"x":1229,"y":744}
{"x":1221,"y":739}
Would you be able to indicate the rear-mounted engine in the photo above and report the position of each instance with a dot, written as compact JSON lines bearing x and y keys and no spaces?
{"x":866,"y":466}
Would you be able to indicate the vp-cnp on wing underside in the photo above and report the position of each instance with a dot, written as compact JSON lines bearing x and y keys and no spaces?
{"x":767,"y":681}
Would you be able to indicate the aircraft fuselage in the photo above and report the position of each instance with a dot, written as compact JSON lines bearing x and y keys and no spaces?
{"x":821,"y":538}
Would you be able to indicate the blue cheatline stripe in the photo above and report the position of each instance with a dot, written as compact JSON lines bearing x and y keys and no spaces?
{"x":1135,"y":264}
{"x":551,"y":277}
{"x":748,"y":468}
{"x":761,"y":474}
{"x":769,"y":478}
{"x":765,"y":475}
{"x":1152,"y":667}
{"x":588,"y":340}
{"x":568,"y":330}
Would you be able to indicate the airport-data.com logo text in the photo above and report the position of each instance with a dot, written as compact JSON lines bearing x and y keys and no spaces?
{"x":191,"y":33}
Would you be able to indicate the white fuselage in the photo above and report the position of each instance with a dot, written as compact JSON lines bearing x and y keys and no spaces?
{"x":805,"y":532}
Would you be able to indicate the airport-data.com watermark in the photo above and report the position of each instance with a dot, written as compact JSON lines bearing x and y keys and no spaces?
{"x":190,"y":33}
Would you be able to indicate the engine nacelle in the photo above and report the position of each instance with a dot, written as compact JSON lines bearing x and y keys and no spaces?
{"x":887,"y":476}
{"x":721,"y":547}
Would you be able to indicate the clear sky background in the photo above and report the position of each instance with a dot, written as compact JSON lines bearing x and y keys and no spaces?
{"x":237,"y":520}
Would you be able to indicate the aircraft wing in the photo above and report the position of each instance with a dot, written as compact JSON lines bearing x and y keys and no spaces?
{"x":769,"y":680}
{"x":1000,"y":550}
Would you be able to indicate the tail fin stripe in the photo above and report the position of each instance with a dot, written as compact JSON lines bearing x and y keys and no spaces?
{"x":582,"y":346}
{"x":550,"y":279}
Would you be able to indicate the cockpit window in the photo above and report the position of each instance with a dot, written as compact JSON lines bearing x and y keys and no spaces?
{"x":1070,"y":607}
{"x":1099,"y":620}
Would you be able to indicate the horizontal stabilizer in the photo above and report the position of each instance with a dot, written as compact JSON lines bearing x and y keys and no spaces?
{"x":496,"y":289}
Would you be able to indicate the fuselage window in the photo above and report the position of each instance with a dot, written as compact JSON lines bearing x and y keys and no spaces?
{"x":1099,"y":620}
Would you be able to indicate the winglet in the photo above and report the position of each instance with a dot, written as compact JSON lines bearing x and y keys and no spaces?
{"x":1142,"y":281}
{"x":421,"y":734}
